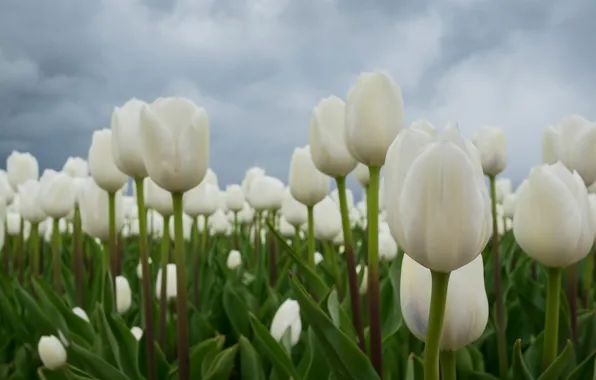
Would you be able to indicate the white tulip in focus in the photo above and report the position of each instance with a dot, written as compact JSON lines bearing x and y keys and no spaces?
{"x":504,"y":187}
{"x":293,"y":211}
{"x":76,"y":167}
{"x":362,"y":175}
{"x":509,"y":206}
{"x":287,"y":317}
{"x":374,"y":116}
{"x":318,"y":258}
{"x":158,"y":199}
{"x":201,"y":200}
{"x":175,"y":143}
{"x":123,"y":295}
{"x":491,"y":143}
{"x":137,"y":332}
{"x":307,"y":184}
{"x":57,"y":195}
{"x":327,"y":138}
{"x":265,"y":193}
{"x":171,"y":289}
{"x":552,"y":222}
{"x":51,"y":352}
{"x":31,"y":209}
{"x":95,"y":211}
{"x":234,"y":259}
{"x":126,"y":146}
{"x":101,"y":162}
{"x":439,"y":210}
{"x":466,"y":308}
{"x":234,"y":198}
{"x":571,"y":141}
{"x":80,"y":313}
{"x":327,"y":220}
{"x":387,"y":246}
{"x":21,"y":167}
{"x":251,"y":174}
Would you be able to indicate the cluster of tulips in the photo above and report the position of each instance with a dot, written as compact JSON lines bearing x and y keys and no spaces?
{"x":261,"y":280}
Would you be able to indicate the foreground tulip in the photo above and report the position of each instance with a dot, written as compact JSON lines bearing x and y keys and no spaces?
{"x":57,"y":195}
{"x":175,"y":149}
{"x":29,"y":195}
{"x":51,"y":352}
{"x":490,"y":142}
{"x":571,"y":141}
{"x":561,"y":236}
{"x":307,"y":184}
{"x":101,"y":162}
{"x":126,"y":131}
{"x":444,"y":227}
{"x":287,"y":318}
{"x":293,"y":211}
{"x":21,"y":167}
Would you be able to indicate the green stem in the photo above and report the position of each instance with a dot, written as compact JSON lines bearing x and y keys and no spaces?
{"x":331,"y":257}
{"x":112,"y":240}
{"x":551,"y":324}
{"x":296,"y":245}
{"x":438,"y":300}
{"x":374,"y":304}
{"x":34,"y":239}
{"x":501,"y":337}
{"x":350,"y":261}
{"x":182,"y":301}
{"x":571,"y":284}
{"x":311,"y":236}
{"x":78,"y":255}
{"x":163,"y":302}
{"x":448,"y":365}
{"x":146,"y":282}
{"x":588,"y":280}
{"x":272,"y":251}
{"x":56,"y":260}
{"x":236,"y":230}
{"x":257,"y":245}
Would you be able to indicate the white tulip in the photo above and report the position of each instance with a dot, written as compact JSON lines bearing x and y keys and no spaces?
{"x":362,"y":175}
{"x":95,"y":211}
{"x":265,"y":193}
{"x":466,"y":307}
{"x":76,"y":167}
{"x":137,"y":332}
{"x":158,"y":199}
{"x":201,"y":200}
{"x":126,"y":144}
{"x":21,"y":167}
{"x":250,"y":176}
{"x":29,"y":195}
{"x":293,"y":211}
{"x":387,"y":246}
{"x":6,"y":191}
{"x":234,"y":198}
{"x":57,"y":195}
{"x":123,"y":295}
{"x":234,"y":259}
{"x":509,"y":205}
{"x":318,"y":258}
{"x":80,"y":313}
{"x":552,"y":222}
{"x":101,"y":162}
{"x":287,"y":317}
{"x":491,"y":143}
{"x":327,"y":220}
{"x":171,"y":287}
{"x":307,"y":184}
{"x":211,"y":177}
{"x":439,"y":210}
{"x":51,"y":352}
{"x":504,"y":187}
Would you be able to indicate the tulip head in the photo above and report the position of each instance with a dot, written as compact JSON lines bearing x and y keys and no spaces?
{"x":20,"y":167}
{"x":201,"y":200}
{"x":51,"y":352}
{"x":266,"y":193}
{"x":29,"y":195}
{"x":307,"y":184}
{"x":327,"y":220}
{"x":158,"y":199}
{"x":437,"y":204}
{"x":123,"y":295}
{"x":57,"y":195}
{"x":374,"y":115}
{"x":76,"y":167}
{"x":491,"y":143}
{"x":362,"y":175}
{"x":101,"y":162}
{"x":287,"y":317}
{"x":175,"y":143}
{"x":94,"y":207}
{"x":171,"y":289}
{"x":80,"y":313}
{"x":234,"y":198}
{"x":552,"y":221}
{"x":234,"y":259}
{"x":293,"y":211}
{"x":327,"y":138}
{"x":126,"y":132}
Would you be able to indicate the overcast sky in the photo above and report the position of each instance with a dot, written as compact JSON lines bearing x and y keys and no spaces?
{"x":259,"y":67}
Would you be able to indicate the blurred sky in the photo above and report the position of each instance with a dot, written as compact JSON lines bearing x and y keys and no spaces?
{"x":259,"y":67}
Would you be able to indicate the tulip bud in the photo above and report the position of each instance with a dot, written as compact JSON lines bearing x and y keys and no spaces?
{"x":101,"y":162}
{"x":287,"y":317}
{"x":246,"y":215}
{"x":387,"y":246}
{"x":307,"y":184}
{"x":327,"y":220}
{"x":318,"y":258}
{"x":137,"y":332}
{"x":251,"y":175}
{"x":95,"y":211}
{"x":466,"y":308}
{"x":171,"y":289}
{"x":504,"y":187}
{"x":126,"y":130}
{"x":211,"y":177}
{"x":509,"y":206}
{"x":293,"y":211}
{"x":362,"y":175}
{"x":123,"y":295}
{"x":201,"y":200}
{"x":6,"y":191}
{"x":80,"y":313}
{"x":234,"y":198}
{"x":491,"y":143}
{"x":266,"y":193}
{"x":57,"y":195}
{"x":439,"y":210}
{"x":21,"y":167}
{"x":175,"y":143}
{"x":29,"y":195}
{"x":327,"y":138}
{"x":51,"y":352}
{"x":76,"y":167}
{"x":563,"y":232}
{"x":158,"y":199}
{"x":364,"y":281}
{"x":571,"y":141}
{"x":234,"y":259}
{"x":374,"y":116}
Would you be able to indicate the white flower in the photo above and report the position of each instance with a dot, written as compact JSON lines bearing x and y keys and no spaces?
{"x":287,"y":317}
{"x":51,"y":352}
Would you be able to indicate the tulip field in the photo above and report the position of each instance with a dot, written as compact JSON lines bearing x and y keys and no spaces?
{"x":133,"y":263}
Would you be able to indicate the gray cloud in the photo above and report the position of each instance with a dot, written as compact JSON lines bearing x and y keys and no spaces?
{"x":259,"y":66}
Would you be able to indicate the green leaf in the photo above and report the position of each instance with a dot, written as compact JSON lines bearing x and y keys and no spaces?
{"x":107,"y":345}
{"x":333,"y":307}
{"x":236,"y":310}
{"x":38,"y":317}
{"x":250,"y":362}
{"x":410,"y":375}
{"x":315,"y":283}
{"x":200,"y":351}
{"x":127,"y":346}
{"x":222,"y":365}
{"x":586,"y":370}
{"x":273,"y":349}
{"x":95,"y":365}
{"x":391,"y":312}
{"x":556,"y":369}
{"x":317,"y":367}
{"x":163,"y":368}
{"x":520,"y":370}
{"x":353,"y":362}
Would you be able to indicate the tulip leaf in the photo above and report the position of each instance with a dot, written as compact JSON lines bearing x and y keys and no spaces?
{"x":163,"y":368}
{"x":585,"y":370}
{"x":410,"y":374}
{"x":7,"y":311}
{"x":236,"y":310}
{"x":273,"y":349}
{"x":222,"y":364}
{"x":520,"y":370}
{"x":37,"y":316}
{"x":354,"y":363}
{"x":127,"y":346}
{"x":317,"y":366}
{"x":200,"y":351}
{"x":107,"y":346}
{"x":315,"y":283}
{"x":333,"y":307}
{"x":250,"y":363}
{"x":557,"y":367}
{"x":96,"y":366}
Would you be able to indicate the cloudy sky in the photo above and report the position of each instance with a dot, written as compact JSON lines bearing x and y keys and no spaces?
{"x":259,"y":66}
